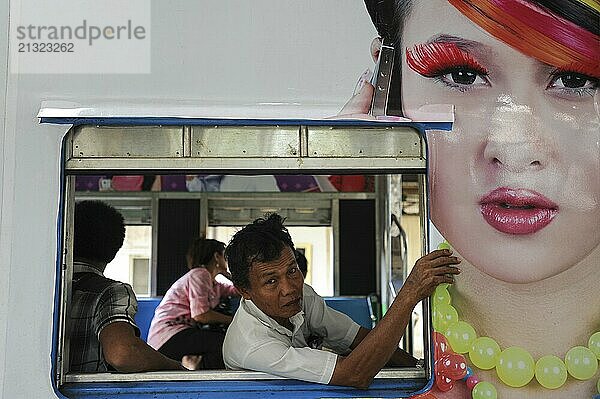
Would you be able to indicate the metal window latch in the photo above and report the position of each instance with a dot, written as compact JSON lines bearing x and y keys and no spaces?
{"x":382,"y":78}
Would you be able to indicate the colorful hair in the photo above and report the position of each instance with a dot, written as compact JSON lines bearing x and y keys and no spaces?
{"x":562,"y":34}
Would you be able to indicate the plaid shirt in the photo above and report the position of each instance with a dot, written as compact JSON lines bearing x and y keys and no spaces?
{"x":97,"y":302}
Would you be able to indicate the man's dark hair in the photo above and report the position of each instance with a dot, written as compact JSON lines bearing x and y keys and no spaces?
{"x":260,"y":241}
{"x":202,"y":250}
{"x":99,"y":231}
{"x":301,"y":261}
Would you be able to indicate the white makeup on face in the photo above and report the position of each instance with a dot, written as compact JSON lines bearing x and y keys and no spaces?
{"x":506,"y":104}
{"x":516,"y":184}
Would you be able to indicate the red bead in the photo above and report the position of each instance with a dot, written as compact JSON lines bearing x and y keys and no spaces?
{"x":441,"y":364}
{"x":441,"y":345}
{"x":472,"y":381}
{"x":455,"y":367}
{"x":444,"y":384}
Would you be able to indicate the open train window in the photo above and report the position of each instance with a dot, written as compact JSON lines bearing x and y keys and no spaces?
{"x":330,"y":182}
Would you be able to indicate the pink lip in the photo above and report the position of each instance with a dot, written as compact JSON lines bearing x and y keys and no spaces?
{"x":517,"y":211}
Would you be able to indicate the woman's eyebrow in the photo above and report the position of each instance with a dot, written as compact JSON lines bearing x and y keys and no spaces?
{"x":460,"y":42}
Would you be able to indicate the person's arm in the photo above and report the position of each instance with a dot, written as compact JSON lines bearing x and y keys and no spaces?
{"x":127,"y":353}
{"x":360,"y":335}
{"x":115,"y":328}
{"x":376,"y":348}
{"x":212,"y":317}
{"x":278,"y":358}
{"x":400,"y":358}
{"x":227,"y":289}
{"x":200,"y":284}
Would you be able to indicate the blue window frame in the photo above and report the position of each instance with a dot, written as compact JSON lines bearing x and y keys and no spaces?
{"x":215,"y":384}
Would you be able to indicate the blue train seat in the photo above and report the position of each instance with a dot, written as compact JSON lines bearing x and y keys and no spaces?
{"x":358,"y":308}
{"x":144,"y":315}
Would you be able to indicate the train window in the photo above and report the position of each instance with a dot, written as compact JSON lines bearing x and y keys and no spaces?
{"x":331,"y":183}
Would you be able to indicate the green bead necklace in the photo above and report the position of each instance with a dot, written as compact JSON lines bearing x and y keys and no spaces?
{"x":514,"y":366}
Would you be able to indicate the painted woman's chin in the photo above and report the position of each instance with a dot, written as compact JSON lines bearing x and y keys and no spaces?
{"x":510,"y":274}
{"x":516,"y":265}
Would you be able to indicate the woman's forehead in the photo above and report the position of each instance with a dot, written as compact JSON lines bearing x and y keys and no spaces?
{"x":432,"y":18}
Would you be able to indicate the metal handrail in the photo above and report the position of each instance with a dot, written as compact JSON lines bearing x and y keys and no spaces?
{"x":407,"y":343}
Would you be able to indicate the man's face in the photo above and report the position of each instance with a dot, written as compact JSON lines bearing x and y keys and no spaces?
{"x":276,"y":286}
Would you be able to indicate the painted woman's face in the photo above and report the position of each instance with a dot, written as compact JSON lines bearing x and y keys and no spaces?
{"x":516,"y":184}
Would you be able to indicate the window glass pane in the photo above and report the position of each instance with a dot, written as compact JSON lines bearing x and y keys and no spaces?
{"x":141,"y":276}
{"x":132,"y":259}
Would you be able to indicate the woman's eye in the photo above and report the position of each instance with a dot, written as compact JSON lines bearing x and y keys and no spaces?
{"x":463,"y":78}
{"x":270,"y":281}
{"x":293,"y":270}
{"x":572,"y":80}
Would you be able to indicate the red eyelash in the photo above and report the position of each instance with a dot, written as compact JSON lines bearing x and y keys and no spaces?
{"x":430,"y":59}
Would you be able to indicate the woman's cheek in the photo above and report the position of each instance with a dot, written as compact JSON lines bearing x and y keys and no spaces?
{"x":455,"y":175}
{"x":446,"y":177}
{"x":578,"y":138}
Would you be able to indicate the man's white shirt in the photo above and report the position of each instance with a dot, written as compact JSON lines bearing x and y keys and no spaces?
{"x":255,"y":341}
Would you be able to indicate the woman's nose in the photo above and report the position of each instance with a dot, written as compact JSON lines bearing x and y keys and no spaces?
{"x":516,"y":141}
{"x":515,"y":156}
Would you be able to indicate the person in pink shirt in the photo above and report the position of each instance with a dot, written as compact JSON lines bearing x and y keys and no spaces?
{"x":178,"y":329}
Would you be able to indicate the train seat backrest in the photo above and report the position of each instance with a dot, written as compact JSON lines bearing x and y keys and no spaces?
{"x":358,"y":308}
{"x":145,"y":313}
